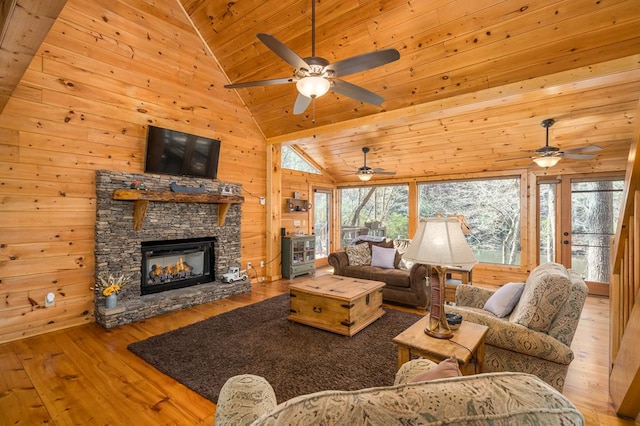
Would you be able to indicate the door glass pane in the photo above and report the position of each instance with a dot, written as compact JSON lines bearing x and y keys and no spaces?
{"x":321,"y":223}
{"x":547,"y":222}
{"x":595,"y":206}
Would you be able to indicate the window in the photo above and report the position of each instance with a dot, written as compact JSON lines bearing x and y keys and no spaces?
{"x":491,"y":208}
{"x":292,"y":160}
{"x":378,"y":211}
{"x":548,"y":225}
{"x":595,"y":207}
{"x":577,"y":231}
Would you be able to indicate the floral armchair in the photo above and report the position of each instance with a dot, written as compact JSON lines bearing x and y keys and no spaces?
{"x":536,"y":336}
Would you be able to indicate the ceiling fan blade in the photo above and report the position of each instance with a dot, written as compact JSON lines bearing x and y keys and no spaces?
{"x":588,"y":148}
{"x":382,"y":172}
{"x":513,"y":158}
{"x":356,"y":92}
{"x":283,"y":51}
{"x":578,"y":156}
{"x":270,"y":82}
{"x":302,"y":102}
{"x":363,"y":62}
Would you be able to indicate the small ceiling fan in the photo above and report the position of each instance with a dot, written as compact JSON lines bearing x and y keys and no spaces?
{"x":365,"y":173}
{"x":314,"y":76}
{"x":549,"y":156}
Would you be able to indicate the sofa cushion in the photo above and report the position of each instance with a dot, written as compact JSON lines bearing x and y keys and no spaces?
{"x":383,"y":257}
{"x":546,"y":290}
{"x":358,"y":255}
{"x":391,"y":277}
{"x":401,"y":246}
{"x":447,"y":368}
{"x":502,"y":302}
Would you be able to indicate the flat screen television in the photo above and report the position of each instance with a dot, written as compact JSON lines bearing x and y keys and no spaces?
{"x":171,"y":152}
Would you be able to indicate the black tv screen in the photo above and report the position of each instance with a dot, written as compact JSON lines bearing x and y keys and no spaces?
{"x":171,"y":152}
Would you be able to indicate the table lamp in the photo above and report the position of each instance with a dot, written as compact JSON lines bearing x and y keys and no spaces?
{"x":440,"y":243}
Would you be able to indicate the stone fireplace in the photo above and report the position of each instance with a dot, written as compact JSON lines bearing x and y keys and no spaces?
{"x":176,"y":256}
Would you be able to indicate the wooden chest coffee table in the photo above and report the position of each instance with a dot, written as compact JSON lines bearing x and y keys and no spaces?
{"x":342,"y":305}
{"x":467,"y":344}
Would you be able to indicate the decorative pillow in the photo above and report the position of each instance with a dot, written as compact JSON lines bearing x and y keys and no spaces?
{"x":405,"y":264}
{"x":445,"y":369}
{"x":401,"y":246}
{"x":359,"y":255}
{"x":546,"y":291}
{"x":502,"y":302}
{"x":383,"y":257}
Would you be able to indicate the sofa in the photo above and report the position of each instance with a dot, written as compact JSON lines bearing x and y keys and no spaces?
{"x":484,"y":399}
{"x":530,"y":332}
{"x":405,"y":284}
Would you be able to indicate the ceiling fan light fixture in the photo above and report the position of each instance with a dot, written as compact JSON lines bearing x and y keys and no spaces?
{"x":365,"y":177}
{"x":313,"y":86}
{"x":549,"y":161}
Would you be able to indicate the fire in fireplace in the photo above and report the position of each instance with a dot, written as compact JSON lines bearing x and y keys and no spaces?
{"x":172,"y":264}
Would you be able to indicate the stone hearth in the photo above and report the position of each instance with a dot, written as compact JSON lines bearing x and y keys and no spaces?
{"x":118,"y":245}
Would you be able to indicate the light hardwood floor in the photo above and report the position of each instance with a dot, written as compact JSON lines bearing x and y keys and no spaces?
{"x":86,"y":376}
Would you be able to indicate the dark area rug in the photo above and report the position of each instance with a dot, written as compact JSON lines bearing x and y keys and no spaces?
{"x":296,"y":359}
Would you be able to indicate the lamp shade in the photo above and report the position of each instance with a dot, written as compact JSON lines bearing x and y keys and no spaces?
{"x":313,"y":86}
{"x":440,"y":242}
{"x":546,"y":161}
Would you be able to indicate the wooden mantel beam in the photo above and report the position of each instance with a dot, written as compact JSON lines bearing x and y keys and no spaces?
{"x":141,"y":199}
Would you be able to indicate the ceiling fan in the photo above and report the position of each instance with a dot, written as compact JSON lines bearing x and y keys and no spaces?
{"x":365,"y":173}
{"x":314,"y":76}
{"x":549,"y":156}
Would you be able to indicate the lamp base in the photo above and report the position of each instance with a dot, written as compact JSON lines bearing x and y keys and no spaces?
{"x":438,"y":331}
{"x":438,"y":325}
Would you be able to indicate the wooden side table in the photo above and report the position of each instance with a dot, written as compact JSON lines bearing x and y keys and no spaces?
{"x":451,"y":283}
{"x":464,"y":274}
{"x":467,"y":344}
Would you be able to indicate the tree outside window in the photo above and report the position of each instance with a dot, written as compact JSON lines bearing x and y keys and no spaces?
{"x":595,"y":207}
{"x":491,"y":208}
{"x":380,"y":211}
{"x":292,"y":160}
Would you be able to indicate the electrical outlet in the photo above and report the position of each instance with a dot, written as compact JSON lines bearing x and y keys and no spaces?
{"x":248,"y":265}
{"x":262,"y":263}
{"x":262,"y":201}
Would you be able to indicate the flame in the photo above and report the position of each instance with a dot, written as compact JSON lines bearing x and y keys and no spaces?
{"x":158,"y":270}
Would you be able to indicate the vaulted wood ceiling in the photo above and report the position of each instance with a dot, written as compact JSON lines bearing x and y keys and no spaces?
{"x":474,"y":80}
{"x":473,"y":83}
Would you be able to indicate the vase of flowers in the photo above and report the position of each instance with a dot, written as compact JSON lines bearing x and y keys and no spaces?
{"x":110,"y":285}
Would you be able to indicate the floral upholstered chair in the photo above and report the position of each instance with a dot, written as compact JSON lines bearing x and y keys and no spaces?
{"x":535,"y":335}
{"x":482,"y":399}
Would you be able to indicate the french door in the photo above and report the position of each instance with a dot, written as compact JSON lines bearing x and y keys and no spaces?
{"x":322,"y":223}
{"x":577,"y":218}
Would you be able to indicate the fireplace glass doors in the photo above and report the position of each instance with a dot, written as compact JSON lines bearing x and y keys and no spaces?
{"x":168,"y":265}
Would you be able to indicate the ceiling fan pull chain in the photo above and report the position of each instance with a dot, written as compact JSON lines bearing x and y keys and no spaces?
{"x":313,"y":111}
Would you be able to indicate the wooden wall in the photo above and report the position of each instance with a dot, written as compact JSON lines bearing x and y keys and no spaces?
{"x":105,"y":71}
{"x":303,"y":183}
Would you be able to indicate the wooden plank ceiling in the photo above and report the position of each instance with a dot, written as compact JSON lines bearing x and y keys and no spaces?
{"x":23,"y":26}
{"x":474,"y":80}
{"x":473,"y":83}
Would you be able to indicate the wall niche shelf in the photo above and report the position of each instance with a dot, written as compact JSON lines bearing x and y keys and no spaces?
{"x":296,"y":205}
{"x":141,"y":201}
